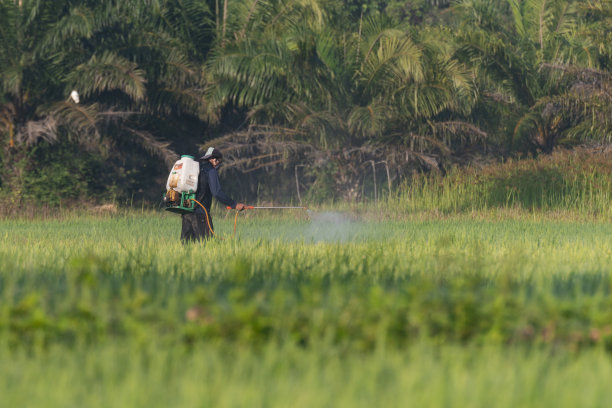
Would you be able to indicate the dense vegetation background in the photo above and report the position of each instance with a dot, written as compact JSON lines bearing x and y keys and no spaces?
{"x":309,"y":99}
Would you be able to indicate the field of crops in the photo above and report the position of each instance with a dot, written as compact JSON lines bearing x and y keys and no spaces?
{"x":326,"y":309}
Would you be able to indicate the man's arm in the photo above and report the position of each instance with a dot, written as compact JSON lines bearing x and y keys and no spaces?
{"x":215,"y":189}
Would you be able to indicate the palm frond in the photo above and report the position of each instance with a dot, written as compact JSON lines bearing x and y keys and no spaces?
{"x":369,"y":121}
{"x":260,"y":147}
{"x":80,"y":119}
{"x":33,"y":131}
{"x":396,"y":61}
{"x":79,"y":23}
{"x":153,"y":145}
{"x":465,"y":131}
{"x":109,"y":72}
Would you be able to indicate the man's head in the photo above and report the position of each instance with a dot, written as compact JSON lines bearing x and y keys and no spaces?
{"x":213,"y":156}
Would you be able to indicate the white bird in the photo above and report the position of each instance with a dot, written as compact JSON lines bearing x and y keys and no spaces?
{"x":75,"y":96}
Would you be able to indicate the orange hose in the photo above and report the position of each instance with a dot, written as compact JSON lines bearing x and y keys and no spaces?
{"x":208,"y":220}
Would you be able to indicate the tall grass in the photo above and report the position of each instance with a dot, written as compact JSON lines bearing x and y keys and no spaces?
{"x":354,"y":284}
{"x":577,"y":181}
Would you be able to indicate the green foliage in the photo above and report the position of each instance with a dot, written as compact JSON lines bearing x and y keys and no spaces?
{"x":60,"y":178}
{"x":129,"y":62}
{"x":542,"y":66}
{"x":414,"y":86}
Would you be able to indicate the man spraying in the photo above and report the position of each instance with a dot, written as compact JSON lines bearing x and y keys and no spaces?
{"x":196,"y":226}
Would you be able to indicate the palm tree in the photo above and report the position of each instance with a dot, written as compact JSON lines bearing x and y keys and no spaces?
{"x":129,"y":61}
{"x":27,"y":83}
{"x":528,"y":62}
{"x":382,"y":93}
{"x":417,"y":94}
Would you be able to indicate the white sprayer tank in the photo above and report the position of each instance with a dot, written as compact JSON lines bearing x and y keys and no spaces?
{"x":184,"y":175}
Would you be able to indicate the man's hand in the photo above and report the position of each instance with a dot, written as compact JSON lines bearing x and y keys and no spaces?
{"x":240,"y":206}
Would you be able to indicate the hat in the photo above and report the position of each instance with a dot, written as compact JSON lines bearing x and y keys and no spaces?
{"x":211,"y":153}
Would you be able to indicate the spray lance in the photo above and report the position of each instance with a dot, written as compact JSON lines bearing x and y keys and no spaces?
{"x":192,"y":200}
{"x":250,"y":207}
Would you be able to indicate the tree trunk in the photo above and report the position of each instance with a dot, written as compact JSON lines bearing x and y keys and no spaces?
{"x":224,"y":23}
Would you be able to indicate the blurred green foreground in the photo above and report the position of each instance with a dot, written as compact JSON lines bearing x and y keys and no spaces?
{"x":329,"y":310}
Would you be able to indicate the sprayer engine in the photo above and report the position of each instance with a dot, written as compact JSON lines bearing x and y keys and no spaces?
{"x":182,"y":185}
{"x":180,"y":203}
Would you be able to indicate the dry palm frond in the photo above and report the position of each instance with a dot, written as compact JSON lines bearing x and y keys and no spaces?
{"x":268,"y":147}
{"x":35,"y":130}
{"x":500,"y":97}
{"x":259,"y":146}
{"x":154,"y":146}
{"x":464,"y":130}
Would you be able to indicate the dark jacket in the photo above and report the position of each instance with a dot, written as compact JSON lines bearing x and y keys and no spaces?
{"x":209,"y":186}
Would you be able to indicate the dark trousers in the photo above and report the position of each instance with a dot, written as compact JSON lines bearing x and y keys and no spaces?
{"x":195,"y":227}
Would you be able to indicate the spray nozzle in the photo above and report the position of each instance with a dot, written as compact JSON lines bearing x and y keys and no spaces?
{"x":250,"y":207}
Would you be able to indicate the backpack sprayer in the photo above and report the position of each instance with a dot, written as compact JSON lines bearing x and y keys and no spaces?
{"x":181,"y":186}
{"x":181,"y":189}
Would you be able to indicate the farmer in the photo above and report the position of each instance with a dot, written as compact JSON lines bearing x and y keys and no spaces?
{"x":195,"y":225}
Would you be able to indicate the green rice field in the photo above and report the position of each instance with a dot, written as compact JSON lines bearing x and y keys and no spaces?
{"x":337,"y":309}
